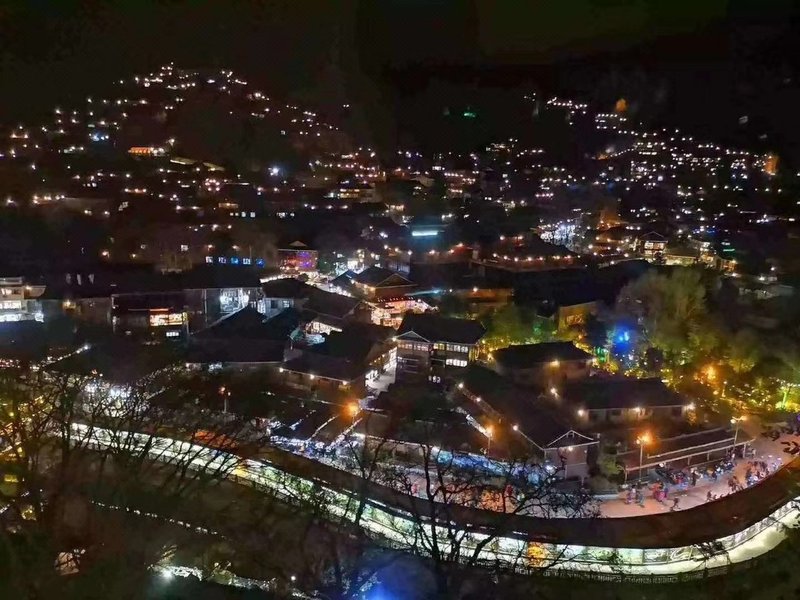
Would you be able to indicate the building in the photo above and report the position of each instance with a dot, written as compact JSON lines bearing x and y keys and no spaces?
{"x":513,"y":417}
{"x":85,"y":297}
{"x":341,"y":367}
{"x":282,"y":293}
{"x":430,"y":346}
{"x":408,"y":420}
{"x":543,"y":365}
{"x":19,"y":300}
{"x":682,"y":256}
{"x":568,"y":313}
{"x":678,"y":452}
{"x":120,"y":376}
{"x":617,"y":400}
{"x":154,"y":316}
{"x":244,"y":339}
{"x":297,"y":258}
{"x":170,"y":305}
{"x":376,"y":283}
{"x":322,"y":311}
{"x":652,"y":246}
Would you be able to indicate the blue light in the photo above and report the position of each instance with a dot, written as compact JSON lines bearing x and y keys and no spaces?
{"x":234,"y":260}
{"x":377,"y":593}
{"x":425,"y":233}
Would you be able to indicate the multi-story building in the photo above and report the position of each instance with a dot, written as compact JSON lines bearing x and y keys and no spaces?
{"x":652,"y":246}
{"x":431,"y":346}
{"x":18,"y":300}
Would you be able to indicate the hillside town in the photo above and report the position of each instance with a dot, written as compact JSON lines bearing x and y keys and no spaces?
{"x":617,"y":313}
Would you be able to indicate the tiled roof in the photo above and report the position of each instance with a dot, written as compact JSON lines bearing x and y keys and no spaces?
{"x":287,"y":287}
{"x":375,"y":276}
{"x":436,"y":328}
{"x":600,"y":393}
{"x":525,"y":355}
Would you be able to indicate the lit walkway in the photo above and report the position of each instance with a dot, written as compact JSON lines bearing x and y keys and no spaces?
{"x":766,"y":449}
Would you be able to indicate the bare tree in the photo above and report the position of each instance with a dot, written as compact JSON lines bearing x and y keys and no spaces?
{"x":442,"y":492}
{"x":83,"y":462}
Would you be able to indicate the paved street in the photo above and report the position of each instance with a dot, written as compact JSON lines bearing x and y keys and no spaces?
{"x":766,"y":449}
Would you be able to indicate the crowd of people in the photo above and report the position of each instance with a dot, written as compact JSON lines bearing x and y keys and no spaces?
{"x":674,"y":481}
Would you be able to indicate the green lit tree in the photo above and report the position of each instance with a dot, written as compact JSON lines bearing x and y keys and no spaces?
{"x":670,"y":311}
{"x":452,"y":305}
{"x":744,"y":350}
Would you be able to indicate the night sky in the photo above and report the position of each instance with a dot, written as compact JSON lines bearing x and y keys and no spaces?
{"x":702,"y":64}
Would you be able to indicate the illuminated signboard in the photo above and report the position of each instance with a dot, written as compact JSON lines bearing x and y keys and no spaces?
{"x":235,"y":260}
{"x":164,"y":319}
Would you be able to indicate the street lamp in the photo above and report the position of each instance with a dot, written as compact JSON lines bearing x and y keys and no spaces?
{"x":353,"y":409}
{"x":489,"y":433}
{"x":735,"y":421}
{"x":642,"y":440}
{"x":225,"y":393}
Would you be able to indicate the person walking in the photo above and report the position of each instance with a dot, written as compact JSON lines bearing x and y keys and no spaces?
{"x":675,"y":503}
{"x":640,"y":497}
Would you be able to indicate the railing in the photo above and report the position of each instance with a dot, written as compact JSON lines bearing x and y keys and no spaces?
{"x":396,"y":520}
{"x":651,"y":578}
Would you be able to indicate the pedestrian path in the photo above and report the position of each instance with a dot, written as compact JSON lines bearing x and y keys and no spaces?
{"x":766,"y":449}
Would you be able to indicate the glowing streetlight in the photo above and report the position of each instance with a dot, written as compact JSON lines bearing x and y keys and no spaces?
{"x":643,"y":439}
{"x":735,"y":421}
{"x":353,"y":408}
{"x":489,"y":429}
{"x":226,"y":394}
